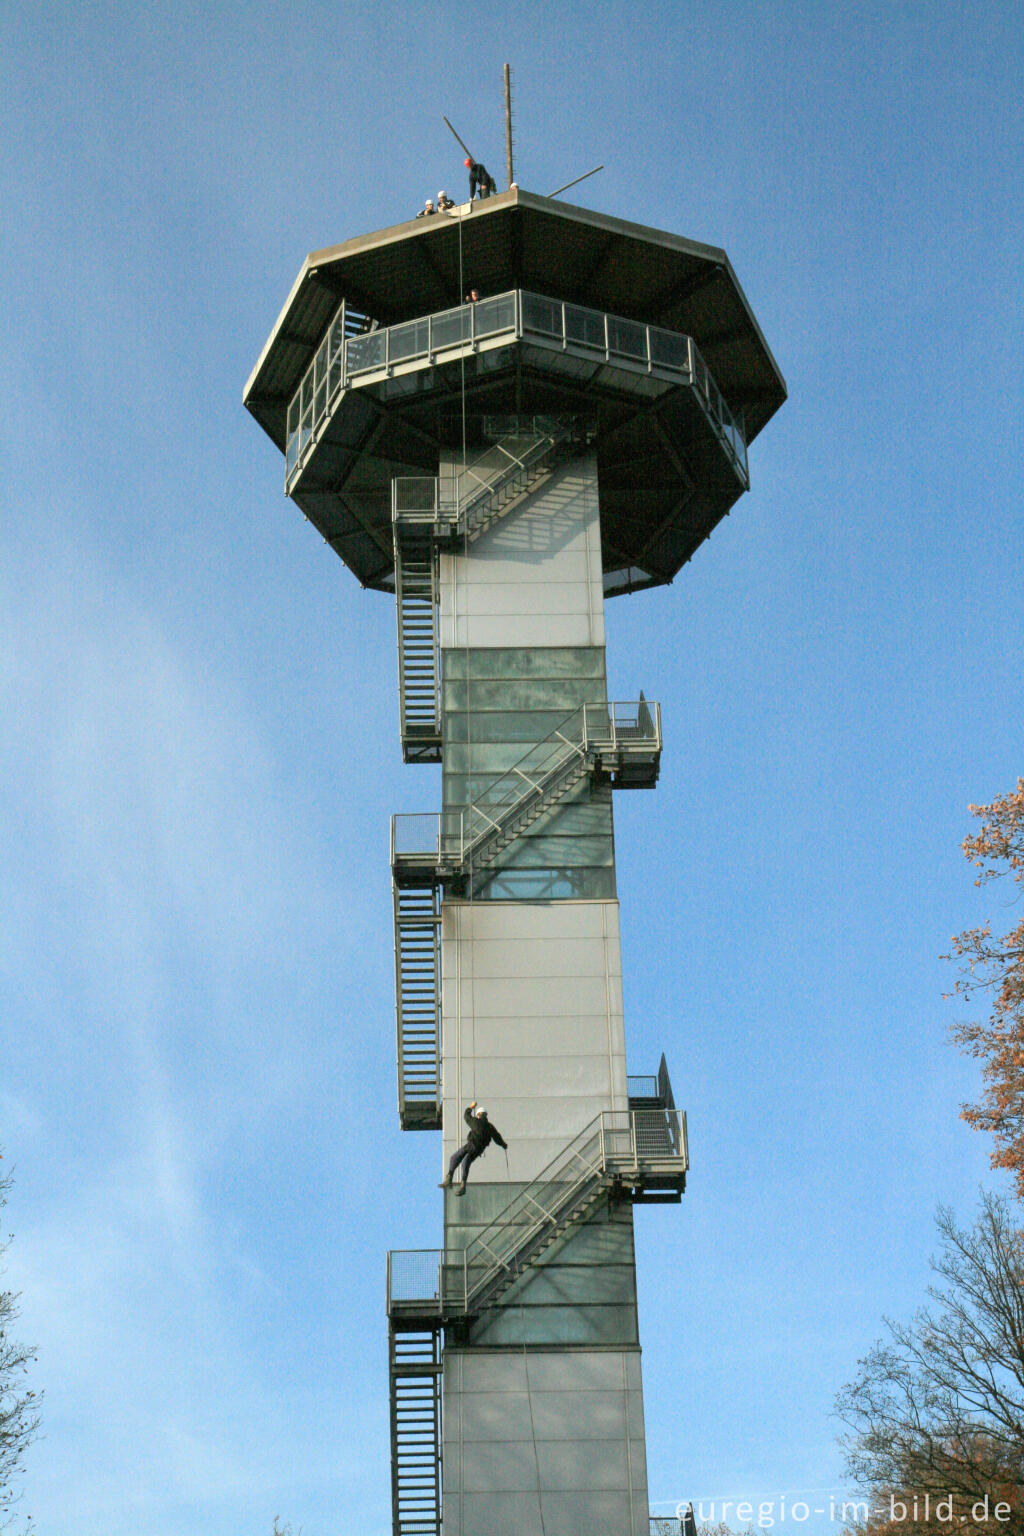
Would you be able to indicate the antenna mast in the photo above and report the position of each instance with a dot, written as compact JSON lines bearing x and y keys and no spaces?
{"x":508,"y":125}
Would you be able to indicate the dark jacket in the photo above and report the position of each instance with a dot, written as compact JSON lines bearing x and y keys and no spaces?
{"x":481,"y":1132}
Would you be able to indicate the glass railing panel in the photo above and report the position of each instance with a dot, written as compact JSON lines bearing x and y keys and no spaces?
{"x":490,"y":315}
{"x":320,"y":363}
{"x":670,"y":350}
{"x":627,"y":339}
{"x":700,"y":374}
{"x":364,"y":352}
{"x":336,"y":335}
{"x":450,"y":328}
{"x":409,"y":340}
{"x":585,"y":327}
{"x":542,"y":315}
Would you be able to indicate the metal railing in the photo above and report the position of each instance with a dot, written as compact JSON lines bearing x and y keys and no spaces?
{"x":344,"y":361}
{"x":459,"y":837}
{"x":653,"y":1086}
{"x":618,"y":1144}
{"x":414,"y":1281}
{"x":461,"y":505}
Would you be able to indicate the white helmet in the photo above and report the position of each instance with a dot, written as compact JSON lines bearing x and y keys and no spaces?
{"x":441,"y":196}
{"x":480,"y":1111}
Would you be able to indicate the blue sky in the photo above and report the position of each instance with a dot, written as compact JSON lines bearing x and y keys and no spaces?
{"x":200,"y":750}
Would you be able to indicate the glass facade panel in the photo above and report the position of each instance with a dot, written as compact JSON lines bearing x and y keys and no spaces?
{"x":540,"y":661}
{"x":518,"y":693}
{"x":577,"y":884}
{"x":497,"y":725}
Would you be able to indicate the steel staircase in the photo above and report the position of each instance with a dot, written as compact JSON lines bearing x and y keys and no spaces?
{"x":615,"y":1155}
{"x":653,"y":1096}
{"x":418,"y":993}
{"x":414,"y":1360}
{"x":621,"y":742}
{"x":423,"y":521}
{"x":521,"y":467}
{"x":616,"y":1150}
{"x":419,"y":653}
{"x":612,"y":1157}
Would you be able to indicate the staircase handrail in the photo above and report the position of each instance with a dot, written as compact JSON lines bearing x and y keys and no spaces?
{"x":538,"y":449}
{"x":588,"y":730}
{"x":549,"y":1196}
{"x":606,"y":1147}
{"x":455,"y":512}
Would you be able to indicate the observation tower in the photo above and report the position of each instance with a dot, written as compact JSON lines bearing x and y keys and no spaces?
{"x":501,"y":468}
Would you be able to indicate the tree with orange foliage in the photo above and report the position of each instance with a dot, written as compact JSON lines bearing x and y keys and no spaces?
{"x":996,"y":966}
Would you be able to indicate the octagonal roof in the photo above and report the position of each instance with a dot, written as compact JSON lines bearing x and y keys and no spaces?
{"x":519,"y":240}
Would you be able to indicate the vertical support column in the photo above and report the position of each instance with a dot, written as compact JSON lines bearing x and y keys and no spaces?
{"x":544,"y":1411}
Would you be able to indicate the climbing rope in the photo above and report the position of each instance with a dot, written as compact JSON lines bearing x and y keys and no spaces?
{"x":529,"y":1390}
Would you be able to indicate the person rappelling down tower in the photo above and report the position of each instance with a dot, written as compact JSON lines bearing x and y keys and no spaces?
{"x":481,"y":1134}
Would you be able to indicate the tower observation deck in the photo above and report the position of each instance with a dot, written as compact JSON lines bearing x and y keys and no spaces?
{"x":502,"y":467}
